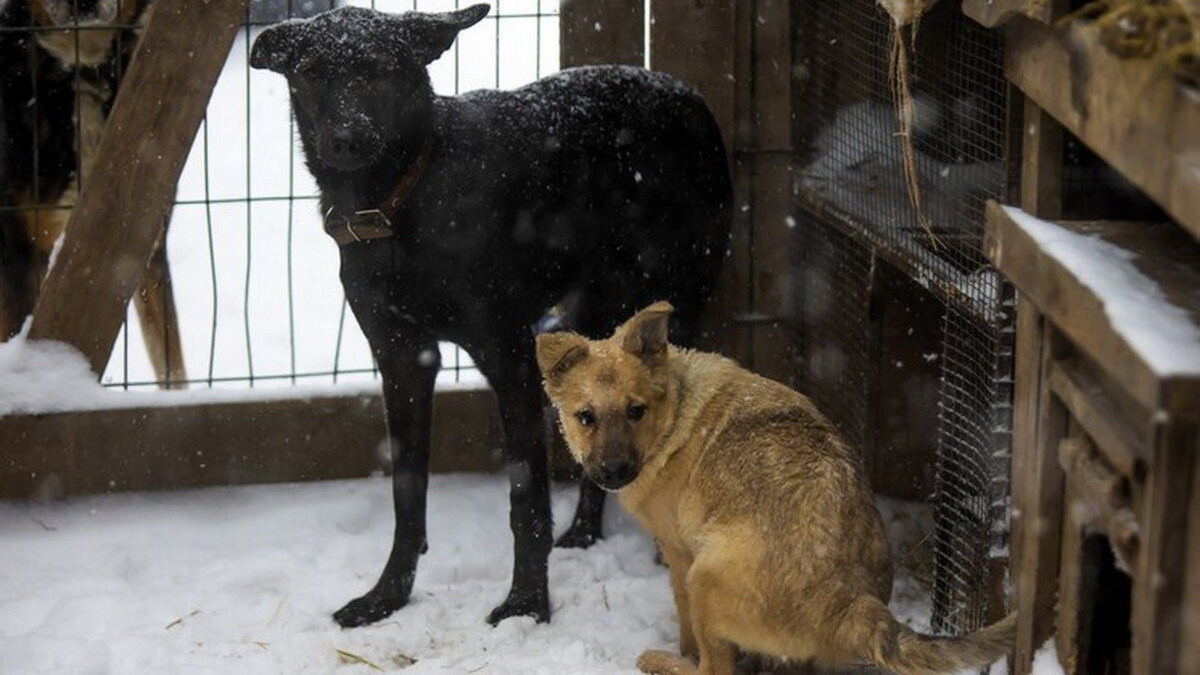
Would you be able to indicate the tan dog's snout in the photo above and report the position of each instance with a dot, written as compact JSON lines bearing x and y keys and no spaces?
{"x":613,"y":465}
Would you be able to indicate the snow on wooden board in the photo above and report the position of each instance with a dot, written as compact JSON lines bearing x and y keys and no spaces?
{"x":43,"y":376}
{"x":242,"y":580}
{"x":1163,"y":334}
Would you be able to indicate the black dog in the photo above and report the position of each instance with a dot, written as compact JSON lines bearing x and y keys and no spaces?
{"x":463,"y":219}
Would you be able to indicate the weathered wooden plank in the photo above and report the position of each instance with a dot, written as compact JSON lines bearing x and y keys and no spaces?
{"x":1159,"y":578}
{"x":1129,"y":111}
{"x":1189,"y":658}
{"x":1041,"y":422}
{"x":1041,"y":163}
{"x":204,"y":444}
{"x":1162,"y":255}
{"x":1091,"y":406}
{"x":720,"y":30}
{"x":1038,"y":420}
{"x":1075,"y":601}
{"x":771,"y":205}
{"x":602,"y":31}
{"x":680,"y":30}
{"x":130,"y":191}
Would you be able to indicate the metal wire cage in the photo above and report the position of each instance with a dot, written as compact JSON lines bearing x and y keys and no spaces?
{"x":255,"y":279}
{"x":860,"y":233}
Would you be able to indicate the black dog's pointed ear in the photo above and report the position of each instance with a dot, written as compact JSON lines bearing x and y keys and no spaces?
{"x":645,"y":334}
{"x":559,"y":352}
{"x":274,"y":48}
{"x":434,"y":33}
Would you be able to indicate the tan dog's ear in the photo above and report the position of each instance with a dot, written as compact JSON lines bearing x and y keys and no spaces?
{"x":559,"y":352}
{"x":645,"y":334}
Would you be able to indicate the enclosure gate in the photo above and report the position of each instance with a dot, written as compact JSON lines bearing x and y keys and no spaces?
{"x":884,"y":318}
{"x":888,"y":313}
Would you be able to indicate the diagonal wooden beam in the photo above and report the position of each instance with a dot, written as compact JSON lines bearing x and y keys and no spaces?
{"x":131,"y":188}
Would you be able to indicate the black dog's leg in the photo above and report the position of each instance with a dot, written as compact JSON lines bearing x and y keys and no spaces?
{"x":514,"y":377}
{"x":409,"y":365}
{"x":585,"y":529}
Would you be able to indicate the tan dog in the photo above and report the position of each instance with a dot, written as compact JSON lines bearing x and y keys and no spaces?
{"x":760,"y":508}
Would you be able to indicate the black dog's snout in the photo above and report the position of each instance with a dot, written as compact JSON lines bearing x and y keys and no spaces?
{"x":344,"y":146}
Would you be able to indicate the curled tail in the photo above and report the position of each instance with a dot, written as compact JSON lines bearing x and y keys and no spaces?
{"x":920,"y":654}
{"x":870,"y":630}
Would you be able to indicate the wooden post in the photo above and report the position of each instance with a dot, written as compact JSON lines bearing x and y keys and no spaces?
{"x":738,"y":55}
{"x":1041,"y":170}
{"x":1039,"y":523}
{"x":1076,"y":576}
{"x":1040,"y":420}
{"x":130,"y":191}
{"x":1189,"y":659}
{"x":695,"y":41}
{"x":771,"y":206}
{"x":698,"y":42}
{"x":602,"y":31}
{"x":1159,"y":580}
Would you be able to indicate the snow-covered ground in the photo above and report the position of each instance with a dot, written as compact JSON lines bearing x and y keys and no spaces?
{"x":242,"y":580}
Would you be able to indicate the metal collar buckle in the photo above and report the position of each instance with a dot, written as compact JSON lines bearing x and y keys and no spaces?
{"x":371,"y":218}
{"x":363,"y":225}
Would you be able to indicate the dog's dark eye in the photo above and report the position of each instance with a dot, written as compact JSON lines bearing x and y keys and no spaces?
{"x":636,"y":412}
{"x":586,"y":417}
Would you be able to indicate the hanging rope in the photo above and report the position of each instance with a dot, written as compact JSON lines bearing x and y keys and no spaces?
{"x":906,"y":15}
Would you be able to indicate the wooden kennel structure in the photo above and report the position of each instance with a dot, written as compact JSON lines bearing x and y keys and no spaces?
{"x":1105,"y":437}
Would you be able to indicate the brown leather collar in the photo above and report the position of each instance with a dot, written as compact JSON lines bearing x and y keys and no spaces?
{"x":377,"y":223}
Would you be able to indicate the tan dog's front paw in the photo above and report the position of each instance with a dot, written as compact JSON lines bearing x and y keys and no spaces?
{"x":659,"y":662}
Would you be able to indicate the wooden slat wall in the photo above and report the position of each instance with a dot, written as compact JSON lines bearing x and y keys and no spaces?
{"x":738,"y":55}
{"x":602,"y":31}
{"x":698,"y":43}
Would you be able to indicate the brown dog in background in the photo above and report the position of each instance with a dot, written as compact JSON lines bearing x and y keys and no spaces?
{"x":762,"y":511}
{"x":60,"y":63}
